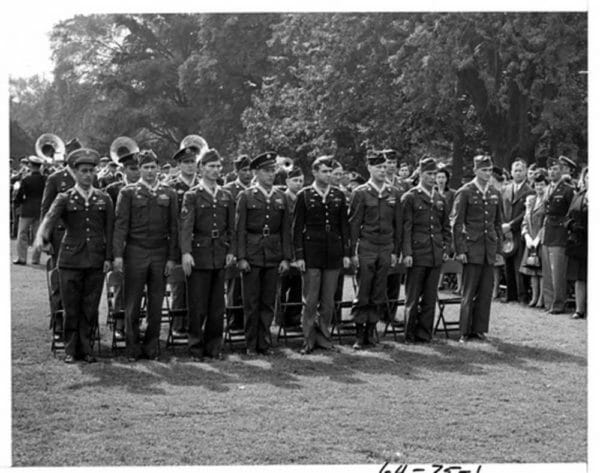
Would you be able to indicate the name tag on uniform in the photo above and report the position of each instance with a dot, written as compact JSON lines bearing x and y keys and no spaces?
{"x":163,"y":198}
{"x":391,"y":200}
{"x":278,"y":201}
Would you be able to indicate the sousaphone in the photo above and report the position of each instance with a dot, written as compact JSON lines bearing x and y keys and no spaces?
{"x":50,"y":147}
{"x":122,"y":146}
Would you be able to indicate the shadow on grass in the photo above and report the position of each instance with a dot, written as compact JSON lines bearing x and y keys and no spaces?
{"x":285,"y":369}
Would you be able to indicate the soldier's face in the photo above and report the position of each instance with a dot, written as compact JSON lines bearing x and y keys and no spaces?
{"x":377,"y":172}
{"x":322,"y":175}
{"x":441,"y":180}
{"x":404,"y":172}
{"x":132,"y":172}
{"x":266,"y":176}
{"x":345,"y":178}
{"x":188,"y":166}
{"x":391,"y":166}
{"x":85,"y":175}
{"x":212,"y":170}
{"x":245,"y":175}
{"x":484,"y":174}
{"x":428,"y":179}
{"x":336,"y":176}
{"x":149,"y":171}
{"x":554,"y":173}
{"x":295,"y":183}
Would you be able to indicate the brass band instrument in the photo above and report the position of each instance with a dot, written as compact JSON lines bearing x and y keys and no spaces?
{"x":50,"y":147}
{"x":194,"y":141}
{"x":285,"y":163}
{"x":122,"y":146}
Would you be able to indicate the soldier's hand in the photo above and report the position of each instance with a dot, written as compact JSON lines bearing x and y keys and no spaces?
{"x":244,"y":266}
{"x":301,"y":265}
{"x":408,"y":261}
{"x":393,"y":260}
{"x":169,"y":267}
{"x":229,"y":259}
{"x":118,"y":265}
{"x":107,"y":266}
{"x":187,"y":262}
{"x":505,"y":228}
{"x":462,"y":257}
{"x":445,"y":256}
{"x":346,"y":262}
{"x":38,"y":244}
{"x":284,"y":266}
{"x":354,"y":261}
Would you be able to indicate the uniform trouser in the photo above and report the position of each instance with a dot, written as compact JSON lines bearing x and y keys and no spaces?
{"x":515,"y":281}
{"x":119,"y":305}
{"x":259,"y":291}
{"x":179,"y":301}
{"x":206,"y":300}
{"x":27,"y":225}
{"x":477,"y":286}
{"x":554,"y":272}
{"x":144,"y":267}
{"x":81,"y":290}
{"x":291,"y":292}
{"x":393,"y":291}
{"x":55,"y":239}
{"x":234,"y":298}
{"x":318,"y":292}
{"x":421,"y":295}
{"x":371,"y":299}
{"x":339,"y":295}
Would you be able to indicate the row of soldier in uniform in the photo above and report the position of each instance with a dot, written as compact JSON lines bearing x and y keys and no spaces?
{"x":148,"y":233}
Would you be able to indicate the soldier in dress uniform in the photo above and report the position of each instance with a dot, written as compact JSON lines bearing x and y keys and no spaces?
{"x":321,"y":238}
{"x":375,"y":235}
{"x":59,"y":181}
{"x":85,"y":252}
{"x":263,"y":249}
{"x":559,"y":195}
{"x":233,"y":278}
{"x":426,"y":244}
{"x":207,"y":247}
{"x":181,"y":183}
{"x":29,"y":198}
{"x":291,"y":282}
{"x":145,"y":247}
{"x":477,"y":233}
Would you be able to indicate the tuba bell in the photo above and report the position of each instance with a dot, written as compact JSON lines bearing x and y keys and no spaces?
{"x":284,"y":163}
{"x":50,"y":147}
{"x":121,"y":146}
{"x":194,"y":141}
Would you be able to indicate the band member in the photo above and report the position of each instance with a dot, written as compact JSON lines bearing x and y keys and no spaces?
{"x":291,"y":282}
{"x":375,"y":235}
{"x":426,"y":244}
{"x":321,"y":248}
{"x":181,"y":183}
{"x":242,"y":181}
{"x":207,"y":223}
{"x":554,"y":258}
{"x":477,"y":233}
{"x":145,"y":248}
{"x":264,"y":249}
{"x":513,"y":204}
{"x":29,"y":198}
{"x":85,"y":252}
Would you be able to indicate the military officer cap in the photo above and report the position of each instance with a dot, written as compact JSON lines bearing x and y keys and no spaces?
{"x":83,"y":156}
{"x":210,"y":155}
{"x":104,"y":159}
{"x":375,"y":159}
{"x":184,"y":153}
{"x":294,"y":172}
{"x":427,"y":163}
{"x":242,"y":162}
{"x":567,"y":162}
{"x":147,"y":156}
{"x":551,"y":162}
{"x":482,"y":161}
{"x":390,"y":154}
{"x":35,"y":160}
{"x":267,"y":158}
{"x":129,"y":158}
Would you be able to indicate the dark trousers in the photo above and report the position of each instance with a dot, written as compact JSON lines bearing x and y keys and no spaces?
{"x":318,"y":290}
{"x":179,"y":301}
{"x":55,"y":239}
{"x":81,"y":290}
{"x":144,"y":267}
{"x":554,"y":273}
{"x":421,"y":294}
{"x":234,"y":297}
{"x":477,"y":284}
{"x":206,"y":297}
{"x":371,"y":299}
{"x":394,"y":280}
{"x":291,"y":292}
{"x":338,"y":296}
{"x":515,"y":282}
{"x":259,"y":290}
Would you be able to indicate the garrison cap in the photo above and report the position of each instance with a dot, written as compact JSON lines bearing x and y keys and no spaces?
{"x":267,"y":158}
{"x":427,"y":164}
{"x":295,"y":172}
{"x":375,"y":159}
{"x":147,"y":156}
{"x":389,"y":154}
{"x":210,"y":155}
{"x":482,"y":161}
{"x":242,"y":161}
{"x":567,"y":162}
{"x":83,"y":156}
{"x":323,"y":161}
{"x":184,"y":153}
{"x":35,"y":160}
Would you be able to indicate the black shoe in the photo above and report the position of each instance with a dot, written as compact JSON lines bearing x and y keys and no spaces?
{"x":19,"y":262}
{"x":70,"y":359}
{"x":479,"y":336}
{"x":133,"y":358}
{"x":463,"y":339}
{"x":266,"y":352}
{"x":578,"y":315}
{"x":197,"y":358}
{"x":89,"y":359}
{"x":305,"y":351}
{"x":251,"y":352}
{"x":219,"y":357}
{"x":358,"y":345}
{"x":555,"y":311}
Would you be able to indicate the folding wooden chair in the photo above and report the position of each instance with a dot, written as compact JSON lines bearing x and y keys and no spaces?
{"x":115,"y":316}
{"x":177,"y":276}
{"x":341,"y":326}
{"x":449,"y":267}
{"x":56,"y":312}
{"x":396,"y":327}
{"x":231,"y":333}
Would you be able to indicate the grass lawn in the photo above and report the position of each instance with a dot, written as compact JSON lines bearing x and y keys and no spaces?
{"x":521,"y":397}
